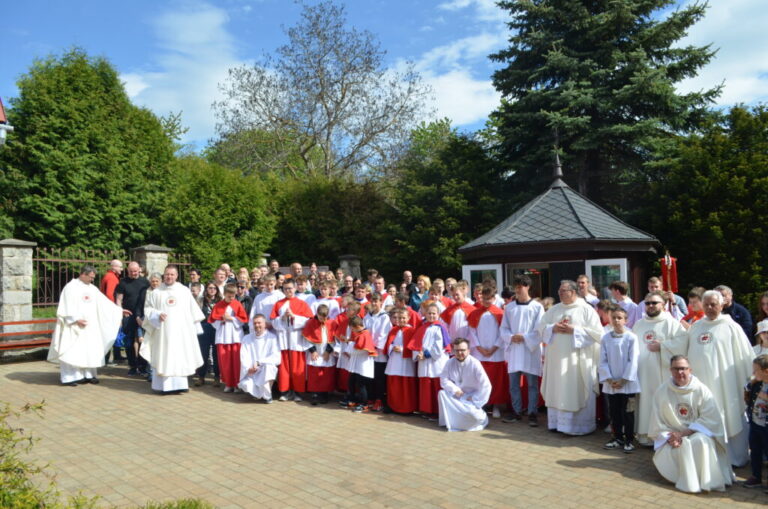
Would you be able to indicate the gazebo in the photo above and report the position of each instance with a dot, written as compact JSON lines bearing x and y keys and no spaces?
{"x":559,"y":235}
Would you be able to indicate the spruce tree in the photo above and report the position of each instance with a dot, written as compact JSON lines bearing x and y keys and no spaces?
{"x":598,"y":78}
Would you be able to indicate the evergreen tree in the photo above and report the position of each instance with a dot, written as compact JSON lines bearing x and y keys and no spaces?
{"x":216,"y":214}
{"x":597,"y":78}
{"x":711,"y":210}
{"x":85,"y":167}
{"x":451,"y":191}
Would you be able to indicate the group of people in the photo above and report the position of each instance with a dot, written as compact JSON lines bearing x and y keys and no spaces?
{"x":673,"y":378}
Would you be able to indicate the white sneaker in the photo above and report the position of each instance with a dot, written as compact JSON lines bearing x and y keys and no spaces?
{"x":608,"y":429}
{"x":269,"y":401}
{"x":229,"y":389}
{"x":238,"y":390}
{"x":297,"y":398}
{"x":283,"y":398}
{"x":496,"y":412}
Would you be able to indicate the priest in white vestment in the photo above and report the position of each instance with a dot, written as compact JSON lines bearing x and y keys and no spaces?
{"x":660,"y":336}
{"x":172,"y":318}
{"x":686,"y":426}
{"x":721,"y":356}
{"x":571,"y":331}
{"x":465,"y":390}
{"x":259,"y":358}
{"x":86,"y":327}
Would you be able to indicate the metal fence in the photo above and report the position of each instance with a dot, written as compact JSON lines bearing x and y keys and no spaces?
{"x":55,"y":267}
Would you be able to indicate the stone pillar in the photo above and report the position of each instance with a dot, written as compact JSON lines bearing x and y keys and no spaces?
{"x":351,"y":264}
{"x":153,"y":258}
{"x":16,"y":275}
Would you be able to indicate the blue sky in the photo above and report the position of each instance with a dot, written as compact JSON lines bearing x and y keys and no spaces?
{"x":172,"y":54}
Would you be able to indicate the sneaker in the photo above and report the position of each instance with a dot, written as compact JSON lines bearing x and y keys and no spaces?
{"x":93,"y":380}
{"x":344,"y":403}
{"x":752,"y":482}
{"x":133,"y":372}
{"x":628,"y":447}
{"x":269,"y":401}
{"x":283,"y":397}
{"x":296,"y":397}
{"x":533,"y":420}
{"x":360,"y":409}
{"x":69,"y":384}
{"x":613,"y":444}
{"x":608,"y":429}
{"x":496,"y":412}
{"x":238,"y":390}
{"x":511,"y":417}
{"x":314,"y":399}
{"x":229,"y":389}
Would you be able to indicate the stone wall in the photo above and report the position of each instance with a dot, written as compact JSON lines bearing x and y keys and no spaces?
{"x":16,"y":276}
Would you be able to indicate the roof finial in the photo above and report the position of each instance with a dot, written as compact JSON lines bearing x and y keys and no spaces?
{"x":558,"y":176}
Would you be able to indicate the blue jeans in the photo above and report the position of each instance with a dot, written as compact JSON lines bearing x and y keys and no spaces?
{"x":516,"y":394}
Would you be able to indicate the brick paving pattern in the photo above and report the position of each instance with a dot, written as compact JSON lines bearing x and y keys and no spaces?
{"x":120,"y":441}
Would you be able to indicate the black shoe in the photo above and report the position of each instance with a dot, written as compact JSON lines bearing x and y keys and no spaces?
{"x":93,"y":380}
{"x":133,"y":372}
{"x":82,"y":381}
{"x":69,"y":384}
{"x":314,"y":399}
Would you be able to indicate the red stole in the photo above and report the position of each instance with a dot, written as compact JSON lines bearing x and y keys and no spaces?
{"x":407,"y":333}
{"x":313,"y":331}
{"x":217,"y":313}
{"x":447,"y":315}
{"x":297,"y":306}
{"x":364,"y":341}
{"x":474,"y":316}
{"x":417,"y":340}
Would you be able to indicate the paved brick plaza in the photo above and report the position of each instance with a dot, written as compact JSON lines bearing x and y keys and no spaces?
{"x":120,"y":441}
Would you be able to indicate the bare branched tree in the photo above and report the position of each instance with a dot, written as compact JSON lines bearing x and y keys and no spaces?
{"x":324,"y":105}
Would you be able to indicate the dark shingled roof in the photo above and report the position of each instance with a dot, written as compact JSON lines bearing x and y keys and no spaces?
{"x":559,"y":214}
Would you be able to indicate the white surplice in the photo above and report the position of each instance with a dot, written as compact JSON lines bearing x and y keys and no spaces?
{"x":618,"y":361}
{"x":432,"y":366}
{"x":379,"y":325}
{"x":263,"y":304}
{"x":264,"y":351}
{"x":569,"y":381}
{"x":486,"y":335}
{"x":464,"y":413}
{"x":288,"y":330}
{"x":701,"y":462}
{"x":80,"y":350}
{"x":397,"y":365}
{"x":522,"y":319}
{"x":333,"y":307}
{"x":653,"y":367}
{"x":174,"y":351}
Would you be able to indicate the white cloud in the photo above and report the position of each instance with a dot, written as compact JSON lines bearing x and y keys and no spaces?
{"x":485,"y":10}
{"x":462,"y":51}
{"x":196,"y":52}
{"x":462,"y":98}
{"x":737,"y":28}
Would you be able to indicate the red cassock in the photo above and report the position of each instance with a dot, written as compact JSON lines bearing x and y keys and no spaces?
{"x":320,"y":378}
{"x":496,"y":371}
{"x":292,"y":373}
{"x":428,"y":386}
{"x":402,"y":391}
{"x":228,"y":354}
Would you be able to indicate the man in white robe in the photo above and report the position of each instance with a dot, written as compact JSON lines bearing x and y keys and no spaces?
{"x":86,"y":327}
{"x":721,"y":356}
{"x":660,"y":336}
{"x":571,"y":331}
{"x":522,"y":349}
{"x":172,"y":318}
{"x":259,"y":358}
{"x":465,"y":390}
{"x":687,"y":430}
